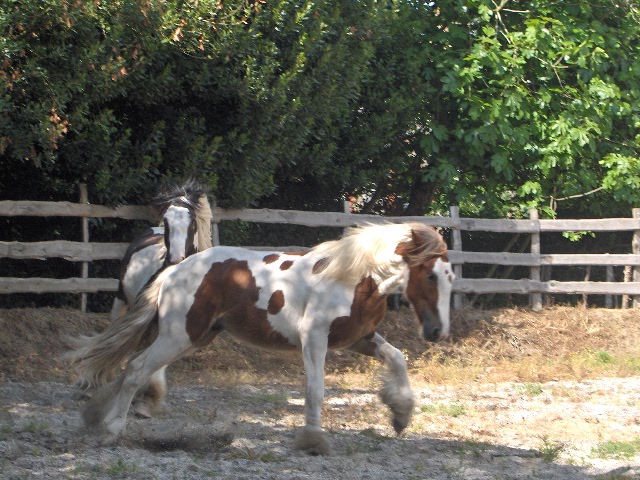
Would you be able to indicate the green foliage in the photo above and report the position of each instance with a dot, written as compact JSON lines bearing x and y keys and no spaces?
{"x":550,"y":451}
{"x":530,"y":389}
{"x":619,"y":450}
{"x":538,"y":101}
{"x":409,"y":106}
{"x":454,"y":409}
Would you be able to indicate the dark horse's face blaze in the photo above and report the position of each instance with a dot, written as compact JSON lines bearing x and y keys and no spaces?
{"x":179,"y":233}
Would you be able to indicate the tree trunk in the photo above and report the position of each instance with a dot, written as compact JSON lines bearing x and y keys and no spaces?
{"x":422,"y":194}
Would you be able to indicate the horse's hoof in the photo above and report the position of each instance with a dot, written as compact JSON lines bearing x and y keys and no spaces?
{"x":142,"y":409}
{"x":399,"y":424}
{"x":313,"y":442}
{"x":401,"y":407}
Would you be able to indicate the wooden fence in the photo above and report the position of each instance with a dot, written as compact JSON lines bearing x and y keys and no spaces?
{"x":86,"y":251}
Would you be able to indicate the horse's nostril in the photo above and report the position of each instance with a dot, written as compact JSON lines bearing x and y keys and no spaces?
{"x":432,"y":334}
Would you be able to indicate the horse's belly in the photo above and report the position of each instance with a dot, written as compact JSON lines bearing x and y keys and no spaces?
{"x":251,"y":324}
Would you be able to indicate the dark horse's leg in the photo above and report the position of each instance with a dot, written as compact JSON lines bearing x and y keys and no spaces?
{"x":396,"y":392}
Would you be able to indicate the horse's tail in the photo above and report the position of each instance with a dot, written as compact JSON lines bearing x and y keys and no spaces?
{"x":96,"y":357}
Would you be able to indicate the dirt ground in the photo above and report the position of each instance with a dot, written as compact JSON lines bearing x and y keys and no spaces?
{"x":513,"y":395}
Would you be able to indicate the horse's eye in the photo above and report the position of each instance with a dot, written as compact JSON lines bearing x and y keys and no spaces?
{"x":433,"y":278}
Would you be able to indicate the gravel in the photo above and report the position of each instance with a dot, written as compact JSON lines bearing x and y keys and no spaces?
{"x":482,"y":431}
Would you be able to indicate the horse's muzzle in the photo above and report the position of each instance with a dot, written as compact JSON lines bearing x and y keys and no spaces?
{"x":175,"y":260}
{"x":432,"y":327}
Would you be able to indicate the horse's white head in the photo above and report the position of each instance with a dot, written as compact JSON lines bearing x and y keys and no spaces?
{"x":179,"y":233}
{"x":186,"y":215}
{"x":430,"y":280}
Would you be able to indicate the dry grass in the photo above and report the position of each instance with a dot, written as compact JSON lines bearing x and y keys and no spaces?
{"x":559,"y":343}
{"x":486,"y":345}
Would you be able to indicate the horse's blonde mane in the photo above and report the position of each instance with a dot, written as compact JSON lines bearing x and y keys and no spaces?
{"x":203,"y":220}
{"x":379,"y":250}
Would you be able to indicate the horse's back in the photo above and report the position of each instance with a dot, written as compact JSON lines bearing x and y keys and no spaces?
{"x":223,"y":268}
{"x":144,"y":257}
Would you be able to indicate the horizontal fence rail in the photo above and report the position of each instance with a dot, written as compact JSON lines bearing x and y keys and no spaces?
{"x":28,"y":208}
{"x":92,"y":251}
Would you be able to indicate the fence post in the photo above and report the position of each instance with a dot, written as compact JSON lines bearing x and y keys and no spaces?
{"x":346,"y":208}
{"x":84,"y":199}
{"x":454,"y":212}
{"x":626,"y":277}
{"x":609,"y":299}
{"x":535,"y":298}
{"x":635,"y":249}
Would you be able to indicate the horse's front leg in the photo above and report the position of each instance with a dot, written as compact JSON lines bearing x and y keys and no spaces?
{"x":311,"y":438}
{"x":396,"y":392}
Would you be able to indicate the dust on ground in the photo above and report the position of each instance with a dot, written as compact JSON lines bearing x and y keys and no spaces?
{"x":514,"y":395}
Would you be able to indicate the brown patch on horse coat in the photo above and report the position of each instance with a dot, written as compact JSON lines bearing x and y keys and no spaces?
{"x":320,"y":265}
{"x":367,"y":311}
{"x":276,"y":302}
{"x":226,"y":299}
{"x":286,"y":265}
{"x":273,"y":257}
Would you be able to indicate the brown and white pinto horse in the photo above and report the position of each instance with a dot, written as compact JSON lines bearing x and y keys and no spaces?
{"x":333,"y":296}
{"x":186,"y":217}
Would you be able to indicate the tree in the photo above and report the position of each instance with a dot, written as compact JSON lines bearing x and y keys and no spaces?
{"x":410,"y":106}
{"x":529,"y":104}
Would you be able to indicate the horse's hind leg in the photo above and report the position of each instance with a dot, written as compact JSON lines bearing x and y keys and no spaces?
{"x":109,"y":406}
{"x":396,"y":392}
{"x":151,"y":394}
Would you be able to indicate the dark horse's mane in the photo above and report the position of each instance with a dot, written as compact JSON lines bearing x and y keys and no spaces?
{"x":188,"y":195}
{"x":193,"y":196}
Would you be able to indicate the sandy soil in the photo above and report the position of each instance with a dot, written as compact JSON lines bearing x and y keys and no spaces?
{"x":237,"y":418}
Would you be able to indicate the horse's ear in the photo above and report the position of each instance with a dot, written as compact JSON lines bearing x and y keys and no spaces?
{"x":408,"y":247}
{"x":417,"y":238}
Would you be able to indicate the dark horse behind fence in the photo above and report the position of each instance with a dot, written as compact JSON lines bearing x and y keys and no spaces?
{"x":185,"y":230}
{"x":333,"y":296}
